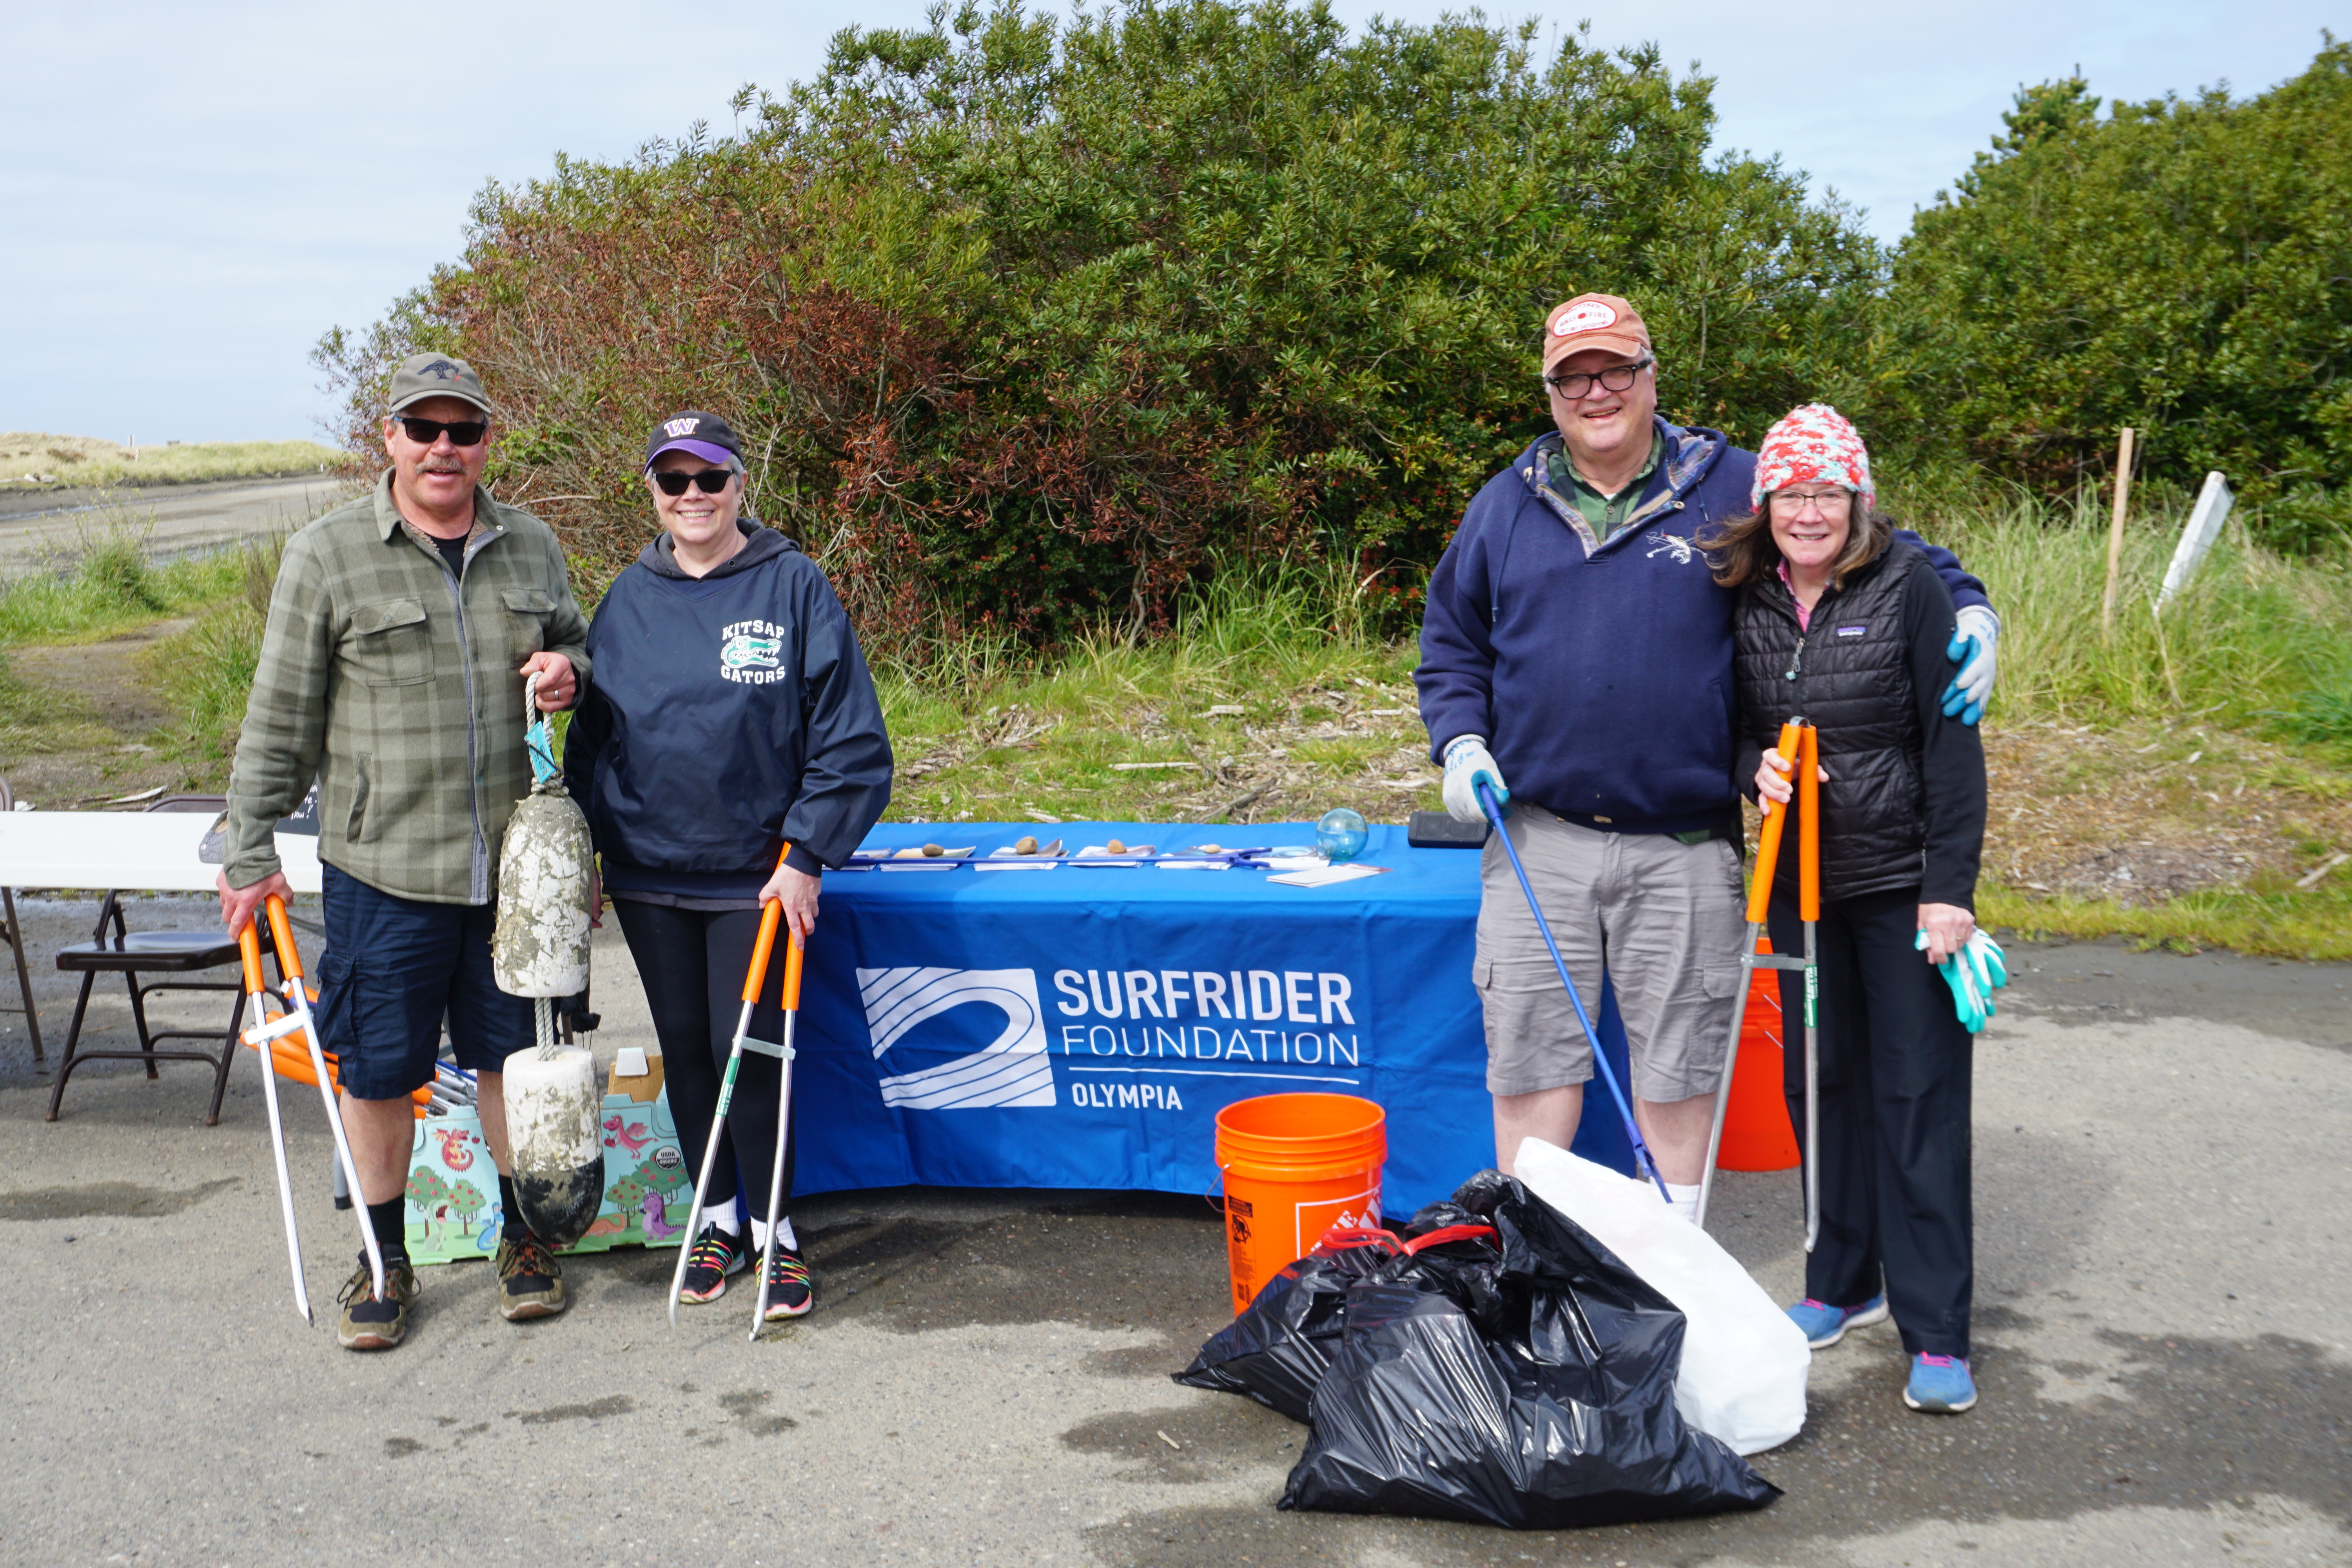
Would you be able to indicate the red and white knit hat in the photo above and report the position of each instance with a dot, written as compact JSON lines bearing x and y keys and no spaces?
{"x":1813,"y":444}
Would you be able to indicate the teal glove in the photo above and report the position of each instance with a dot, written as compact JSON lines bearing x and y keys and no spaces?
{"x":1974,"y":973}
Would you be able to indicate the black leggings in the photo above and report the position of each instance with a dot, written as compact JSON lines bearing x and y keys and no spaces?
{"x":692,"y":962}
{"x":1895,"y":1085}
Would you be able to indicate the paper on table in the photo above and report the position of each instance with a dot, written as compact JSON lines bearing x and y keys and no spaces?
{"x":1100,"y":855}
{"x":1010,"y":860}
{"x":1325,"y":876}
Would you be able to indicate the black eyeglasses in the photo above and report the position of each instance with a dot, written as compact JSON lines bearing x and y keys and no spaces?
{"x":424,"y":432}
{"x":1615,"y":378}
{"x":710,"y":482}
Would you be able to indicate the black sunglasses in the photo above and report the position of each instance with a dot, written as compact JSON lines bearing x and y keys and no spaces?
{"x":462,"y":433}
{"x":710,"y":482}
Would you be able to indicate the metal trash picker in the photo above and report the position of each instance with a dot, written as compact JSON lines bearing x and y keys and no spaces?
{"x":754,"y":979}
{"x":1643,"y":1163}
{"x":262,"y":1037}
{"x":1799,"y":749}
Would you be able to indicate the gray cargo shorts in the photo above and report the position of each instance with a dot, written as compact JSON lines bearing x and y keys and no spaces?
{"x":1662,"y":918}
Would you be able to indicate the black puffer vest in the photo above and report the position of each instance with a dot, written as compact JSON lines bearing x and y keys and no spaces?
{"x":1850,"y":675}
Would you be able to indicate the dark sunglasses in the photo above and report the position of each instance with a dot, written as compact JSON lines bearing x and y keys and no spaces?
{"x":424,"y":432}
{"x":710,"y":482}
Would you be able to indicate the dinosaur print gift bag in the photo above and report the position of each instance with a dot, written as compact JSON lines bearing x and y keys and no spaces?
{"x":453,"y":1185}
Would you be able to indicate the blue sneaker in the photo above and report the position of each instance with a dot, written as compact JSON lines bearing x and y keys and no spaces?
{"x":1940,"y":1384}
{"x":1824,"y":1325}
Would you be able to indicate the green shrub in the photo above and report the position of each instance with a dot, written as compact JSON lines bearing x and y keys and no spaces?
{"x":2182,"y":266}
{"x":1028,"y":322}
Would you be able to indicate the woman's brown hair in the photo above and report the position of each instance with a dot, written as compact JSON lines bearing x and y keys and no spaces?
{"x":1741,"y":551}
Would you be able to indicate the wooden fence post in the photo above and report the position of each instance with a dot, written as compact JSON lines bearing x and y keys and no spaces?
{"x":2116,"y":527}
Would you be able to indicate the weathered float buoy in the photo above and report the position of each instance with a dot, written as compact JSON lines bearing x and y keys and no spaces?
{"x":539,"y":949}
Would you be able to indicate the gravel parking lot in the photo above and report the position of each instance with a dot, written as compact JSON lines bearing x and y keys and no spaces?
{"x":2165,"y":1249}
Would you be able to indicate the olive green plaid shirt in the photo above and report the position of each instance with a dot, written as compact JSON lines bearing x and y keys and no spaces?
{"x":398,"y":687}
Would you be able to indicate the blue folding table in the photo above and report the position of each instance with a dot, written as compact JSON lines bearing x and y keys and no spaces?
{"x":1082,"y":1026}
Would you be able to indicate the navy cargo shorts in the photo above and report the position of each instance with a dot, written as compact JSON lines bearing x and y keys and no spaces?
{"x":393,"y":968}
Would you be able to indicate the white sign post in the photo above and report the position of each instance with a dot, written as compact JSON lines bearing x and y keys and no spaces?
{"x":2205,"y":521}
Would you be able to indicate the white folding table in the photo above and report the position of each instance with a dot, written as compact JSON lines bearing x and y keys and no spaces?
{"x":130,"y":851}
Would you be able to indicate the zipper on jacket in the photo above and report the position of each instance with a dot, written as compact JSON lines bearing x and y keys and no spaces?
{"x":478,"y":873}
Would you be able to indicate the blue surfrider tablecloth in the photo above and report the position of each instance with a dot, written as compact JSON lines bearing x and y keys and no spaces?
{"x":1082,"y":1026}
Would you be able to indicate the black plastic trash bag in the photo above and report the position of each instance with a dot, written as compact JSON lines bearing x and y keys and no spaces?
{"x":1564,"y":1418}
{"x":1276,"y":1350}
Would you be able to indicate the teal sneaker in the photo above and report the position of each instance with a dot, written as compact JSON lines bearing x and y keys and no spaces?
{"x":1940,"y":1384}
{"x":1824,"y":1325}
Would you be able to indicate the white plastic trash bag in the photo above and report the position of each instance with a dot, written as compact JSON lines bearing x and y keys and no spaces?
{"x":1743,"y":1362}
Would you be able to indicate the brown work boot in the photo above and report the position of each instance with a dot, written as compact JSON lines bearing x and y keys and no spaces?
{"x":372,"y":1322}
{"x":531,"y":1282}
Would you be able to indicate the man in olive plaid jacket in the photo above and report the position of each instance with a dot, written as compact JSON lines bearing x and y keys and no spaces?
{"x":401,"y":632}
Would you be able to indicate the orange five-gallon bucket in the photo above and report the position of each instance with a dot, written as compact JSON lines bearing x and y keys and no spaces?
{"x":1294,"y":1165}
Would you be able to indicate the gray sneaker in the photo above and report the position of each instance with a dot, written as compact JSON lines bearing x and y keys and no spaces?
{"x":372,"y":1322}
{"x":531,"y":1282}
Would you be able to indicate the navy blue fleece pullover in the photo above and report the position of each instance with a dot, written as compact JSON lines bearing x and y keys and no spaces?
{"x":1600,"y":675}
{"x":736,"y":713}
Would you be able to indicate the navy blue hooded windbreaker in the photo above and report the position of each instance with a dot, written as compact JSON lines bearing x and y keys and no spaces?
{"x":1600,"y":674}
{"x":726,"y":714}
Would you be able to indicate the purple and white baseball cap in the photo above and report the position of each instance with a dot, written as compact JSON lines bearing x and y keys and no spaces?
{"x":706,"y":435}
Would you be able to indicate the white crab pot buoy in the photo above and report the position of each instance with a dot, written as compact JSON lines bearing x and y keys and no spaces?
{"x":540,"y":945}
{"x":558,"y":1148}
{"x":540,"y":950}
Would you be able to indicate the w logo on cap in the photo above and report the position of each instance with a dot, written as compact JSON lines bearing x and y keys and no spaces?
{"x":675,"y":428}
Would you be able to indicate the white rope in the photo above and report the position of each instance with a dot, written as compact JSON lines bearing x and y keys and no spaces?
{"x":543,"y":1015}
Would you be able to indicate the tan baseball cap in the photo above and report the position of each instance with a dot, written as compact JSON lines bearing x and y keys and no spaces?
{"x":1593,"y":321}
{"x":421,"y":376}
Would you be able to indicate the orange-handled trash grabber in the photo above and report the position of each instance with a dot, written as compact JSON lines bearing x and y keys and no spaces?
{"x":1794,"y":744}
{"x":248,"y":948}
{"x":296,"y":1020}
{"x":292,"y":1057}
{"x":1809,"y":909}
{"x":754,"y":979}
{"x":792,"y":1000}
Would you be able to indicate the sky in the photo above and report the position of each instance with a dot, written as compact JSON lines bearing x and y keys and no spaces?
{"x":194,"y":194}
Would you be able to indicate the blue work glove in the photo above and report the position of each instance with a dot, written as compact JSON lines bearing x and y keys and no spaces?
{"x":1467,"y":765}
{"x":1972,"y":649}
{"x":1974,"y":973}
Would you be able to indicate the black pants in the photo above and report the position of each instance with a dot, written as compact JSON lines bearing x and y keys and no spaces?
{"x":693,"y":962}
{"x":1894,"y":1088}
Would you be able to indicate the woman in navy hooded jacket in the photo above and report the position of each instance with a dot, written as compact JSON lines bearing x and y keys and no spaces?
{"x":731,"y":714}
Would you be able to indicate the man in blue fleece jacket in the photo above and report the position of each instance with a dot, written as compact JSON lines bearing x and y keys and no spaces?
{"x":1575,"y":645}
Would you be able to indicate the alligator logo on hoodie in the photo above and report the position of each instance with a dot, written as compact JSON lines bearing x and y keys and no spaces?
{"x":750,"y":652}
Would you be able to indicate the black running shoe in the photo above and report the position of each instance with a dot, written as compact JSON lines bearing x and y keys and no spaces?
{"x":372,"y":1322}
{"x":531,"y":1282}
{"x":713,"y":1256}
{"x":790,"y":1291}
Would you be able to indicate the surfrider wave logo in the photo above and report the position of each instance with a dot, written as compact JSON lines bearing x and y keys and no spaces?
{"x":1011,"y":1071}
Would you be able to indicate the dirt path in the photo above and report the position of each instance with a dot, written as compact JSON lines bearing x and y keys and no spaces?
{"x":101,"y":742}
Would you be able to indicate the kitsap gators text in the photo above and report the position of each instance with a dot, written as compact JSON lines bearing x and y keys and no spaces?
{"x":1191,"y":1023}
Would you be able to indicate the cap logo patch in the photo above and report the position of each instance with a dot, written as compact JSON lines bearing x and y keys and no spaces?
{"x":675,"y":428}
{"x":1588,"y":317}
{"x":440,"y":369}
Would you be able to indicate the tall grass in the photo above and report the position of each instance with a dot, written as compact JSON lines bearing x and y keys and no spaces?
{"x":82,"y":460}
{"x":103,"y":585}
{"x":2256,"y":634}
{"x":206,"y":672}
